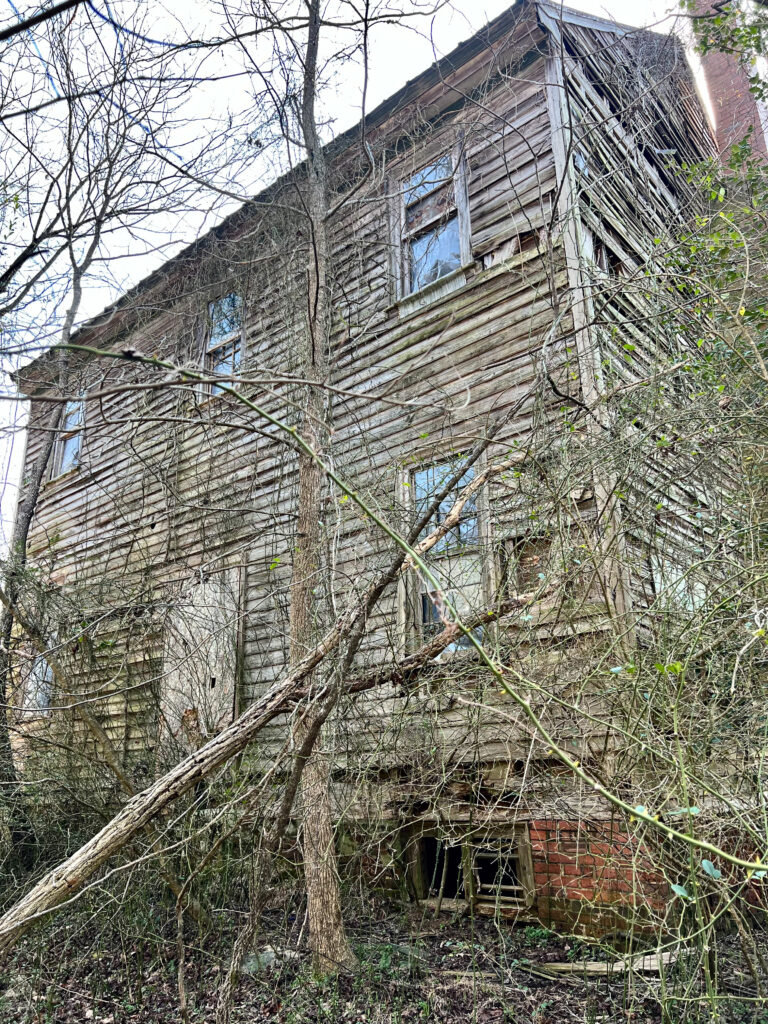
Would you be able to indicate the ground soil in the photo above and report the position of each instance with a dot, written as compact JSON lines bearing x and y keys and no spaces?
{"x":413,"y":968}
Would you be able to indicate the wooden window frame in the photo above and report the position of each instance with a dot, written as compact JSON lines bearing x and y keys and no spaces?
{"x":457,"y":205}
{"x":234,"y":340}
{"x":66,"y":434}
{"x":415,"y":592}
{"x":520,"y":852}
{"x":518,"y":838}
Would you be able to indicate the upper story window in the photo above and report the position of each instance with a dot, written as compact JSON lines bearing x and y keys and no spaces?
{"x":66,"y":452}
{"x":434,"y":238}
{"x":38,"y":693}
{"x":454,"y":561}
{"x":224,"y":342}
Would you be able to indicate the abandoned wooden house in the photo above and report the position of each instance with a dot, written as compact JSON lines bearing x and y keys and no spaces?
{"x":487,"y":279}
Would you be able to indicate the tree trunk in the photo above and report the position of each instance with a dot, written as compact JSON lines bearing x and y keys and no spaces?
{"x":331,"y":951}
{"x":63,"y":882}
{"x":20,"y":827}
{"x":327,"y":938}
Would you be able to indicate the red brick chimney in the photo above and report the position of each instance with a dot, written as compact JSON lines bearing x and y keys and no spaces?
{"x":735,"y":108}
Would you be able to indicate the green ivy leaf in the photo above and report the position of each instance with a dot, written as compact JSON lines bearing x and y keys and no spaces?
{"x":711,"y":870}
{"x":680,"y":890}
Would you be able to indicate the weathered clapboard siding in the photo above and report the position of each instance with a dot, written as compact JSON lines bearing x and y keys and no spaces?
{"x":634,"y":123}
{"x":176,"y":487}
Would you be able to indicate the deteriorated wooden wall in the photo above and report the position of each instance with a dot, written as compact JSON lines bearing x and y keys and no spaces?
{"x":635,"y":122}
{"x":176,"y":489}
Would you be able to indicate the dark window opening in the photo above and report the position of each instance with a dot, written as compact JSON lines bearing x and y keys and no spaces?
{"x":213,"y":682}
{"x":497,"y":874}
{"x":607,"y":260}
{"x":438,"y":858}
{"x":528,"y":564}
{"x":527,"y":241}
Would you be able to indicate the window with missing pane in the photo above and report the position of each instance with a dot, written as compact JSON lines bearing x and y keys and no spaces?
{"x":527,"y":564}
{"x":224,"y":345}
{"x":433,"y":226}
{"x":454,"y":561}
{"x":66,"y":455}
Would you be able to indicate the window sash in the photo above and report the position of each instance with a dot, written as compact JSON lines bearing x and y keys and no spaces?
{"x":72,"y":418}
{"x":224,"y":343}
{"x":69,"y":453}
{"x":69,"y":441}
{"x":433,"y":225}
{"x":433,"y":176}
{"x":455,"y":561}
{"x":434,"y":254}
{"x":426,"y":483}
{"x":223,"y":360}
{"x":432,"y":616}
{"x":225,"y":319}
{"x":428,"y":212}
{"x":38,"y":693}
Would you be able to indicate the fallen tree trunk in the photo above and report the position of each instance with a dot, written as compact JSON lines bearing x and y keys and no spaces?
{"x":64,"y":881}
{"x":61,"y":884}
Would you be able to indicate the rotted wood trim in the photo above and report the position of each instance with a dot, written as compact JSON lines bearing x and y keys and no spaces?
{"x":587,"y":343}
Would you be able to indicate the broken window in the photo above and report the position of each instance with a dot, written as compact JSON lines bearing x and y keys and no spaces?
{"x":527,"y":564}
{"x":224,"y":345}
{"x":454,"y":561}
{"x":602,"y":256}
{"x":435,"y":229}
{"x":66,"y":453}
{"x":38,"y":693}
{"x":442,"y":871}
{"x":608,"y":261}
{"x":497,"y":873}
{"x":494,"y":870}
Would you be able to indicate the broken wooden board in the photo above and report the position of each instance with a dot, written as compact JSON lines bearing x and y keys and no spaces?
{"x":650,"y":963}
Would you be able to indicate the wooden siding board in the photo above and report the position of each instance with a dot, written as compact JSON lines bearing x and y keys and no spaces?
{"x":149,"y":513}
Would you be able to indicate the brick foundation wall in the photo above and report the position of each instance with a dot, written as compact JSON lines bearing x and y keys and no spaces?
{"x":590,"y":878}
